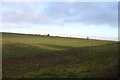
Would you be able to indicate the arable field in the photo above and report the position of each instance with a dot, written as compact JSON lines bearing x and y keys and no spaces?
{"x":37,"y":56}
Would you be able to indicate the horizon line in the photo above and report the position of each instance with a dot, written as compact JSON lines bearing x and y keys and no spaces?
{"x":38,"y":34}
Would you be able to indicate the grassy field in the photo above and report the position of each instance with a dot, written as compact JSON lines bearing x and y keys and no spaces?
{"x":33,"y":56}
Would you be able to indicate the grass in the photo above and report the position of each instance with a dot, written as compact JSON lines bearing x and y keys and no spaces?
{"x":33,"y":56}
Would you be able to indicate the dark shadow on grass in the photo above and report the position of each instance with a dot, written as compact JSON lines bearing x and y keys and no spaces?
{"x":21,"y":50}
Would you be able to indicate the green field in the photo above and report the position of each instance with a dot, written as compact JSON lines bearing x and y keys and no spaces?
{"x":38,"y":56}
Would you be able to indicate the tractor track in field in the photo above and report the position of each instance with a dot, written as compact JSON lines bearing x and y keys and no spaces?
{"x":67,"y":57}
{"x":24,"y":60}
{"x":63,"y":59}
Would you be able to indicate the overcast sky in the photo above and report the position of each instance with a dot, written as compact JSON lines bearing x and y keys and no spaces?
{"x":76,"y":19}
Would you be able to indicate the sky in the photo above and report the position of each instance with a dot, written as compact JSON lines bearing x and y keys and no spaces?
{"x":97,"y":20}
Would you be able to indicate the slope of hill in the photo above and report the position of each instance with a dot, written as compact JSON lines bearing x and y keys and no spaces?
{"x":33,"y":56}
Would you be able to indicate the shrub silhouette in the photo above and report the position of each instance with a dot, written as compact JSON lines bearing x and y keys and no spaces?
{"x":48,"y":35}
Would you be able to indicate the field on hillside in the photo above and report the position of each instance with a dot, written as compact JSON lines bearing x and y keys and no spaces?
{"x":33,"y":56}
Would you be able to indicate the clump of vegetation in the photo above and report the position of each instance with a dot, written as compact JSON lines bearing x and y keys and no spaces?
{"x":48,"y":35}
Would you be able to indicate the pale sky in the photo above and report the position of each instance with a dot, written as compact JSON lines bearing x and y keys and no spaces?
{"x":98,"y":20}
